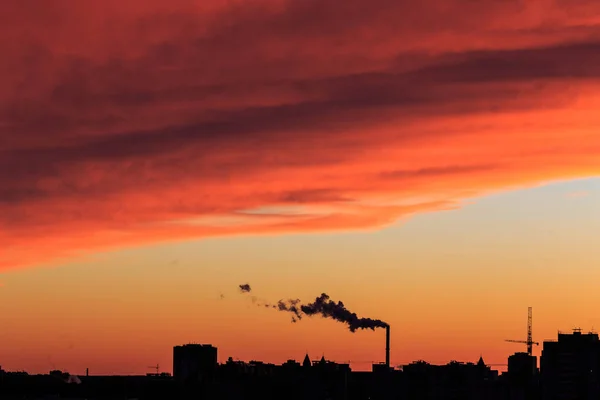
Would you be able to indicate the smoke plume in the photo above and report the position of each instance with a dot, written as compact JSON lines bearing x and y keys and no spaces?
{"x":245,"y":288}
{"x":326,"y":308}
{"x":291,"y":305}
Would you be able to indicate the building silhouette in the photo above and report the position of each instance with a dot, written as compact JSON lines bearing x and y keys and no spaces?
{"x":569,"y":370}
{"x":569,"y":367}
{"x":194,"y":362}
{"x":455,"y":380}
{"x":522,"y":377}
{"x":306,"y":363}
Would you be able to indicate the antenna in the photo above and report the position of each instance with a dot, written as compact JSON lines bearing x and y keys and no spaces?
{"x":156,"y":367}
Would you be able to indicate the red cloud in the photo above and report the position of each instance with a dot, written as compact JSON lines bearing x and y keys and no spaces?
{"x":130,"y":124}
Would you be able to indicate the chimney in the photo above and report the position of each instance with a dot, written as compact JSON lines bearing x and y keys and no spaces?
{"x":387,"y":346}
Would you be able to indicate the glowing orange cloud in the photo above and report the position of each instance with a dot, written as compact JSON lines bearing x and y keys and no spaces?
{"x":130,"y":124}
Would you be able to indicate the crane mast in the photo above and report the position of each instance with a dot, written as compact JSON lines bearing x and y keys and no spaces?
{"x":529,"y":334}
{"x":529,"y":342}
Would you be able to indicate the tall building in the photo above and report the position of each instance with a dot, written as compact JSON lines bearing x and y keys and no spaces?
{"x":569,"y":367}
{"x":522,"y":367}
{"x":194,"y":362}
{"x":522,"y":376}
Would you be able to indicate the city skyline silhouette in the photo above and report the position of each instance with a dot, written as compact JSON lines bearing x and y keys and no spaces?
{"x":567,"y":370}
{"x":365,"y":182}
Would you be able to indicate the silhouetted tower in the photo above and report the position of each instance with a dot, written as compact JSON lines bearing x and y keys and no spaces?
{"x":569,"y":367}
{"x":387,"y":346}
{"x":480,"y":362}
{"x":306,"y":363}
{"x":529,"y":342}
{"x":194,"y":363}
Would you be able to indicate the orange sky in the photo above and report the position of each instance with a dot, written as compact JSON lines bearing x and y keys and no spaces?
{"x":453,"y":285}
{"x":132,"y":124}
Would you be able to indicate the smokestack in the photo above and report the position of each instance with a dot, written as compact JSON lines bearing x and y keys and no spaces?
{"x":387,"y":346}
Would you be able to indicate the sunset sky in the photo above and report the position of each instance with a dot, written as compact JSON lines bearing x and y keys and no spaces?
{"x":434,"y":164}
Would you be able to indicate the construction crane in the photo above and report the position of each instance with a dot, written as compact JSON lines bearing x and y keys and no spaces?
{"x":156,"y":367}
{"x":529,"y":342}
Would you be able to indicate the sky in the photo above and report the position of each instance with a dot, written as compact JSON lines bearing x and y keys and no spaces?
{"x":431,"y":164}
